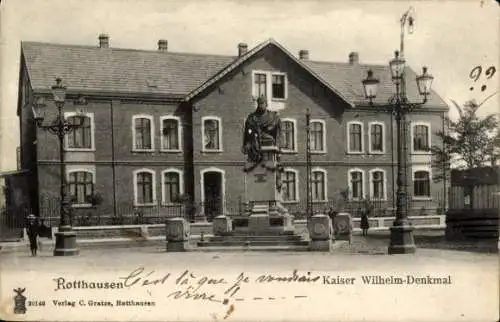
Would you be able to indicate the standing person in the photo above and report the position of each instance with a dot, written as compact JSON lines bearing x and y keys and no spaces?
{"x":33,"y":232}
{"x":367,"y":211}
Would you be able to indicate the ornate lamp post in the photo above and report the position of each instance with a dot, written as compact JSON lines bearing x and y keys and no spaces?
{"x":65,"y":237}
{"x":401,"y":240}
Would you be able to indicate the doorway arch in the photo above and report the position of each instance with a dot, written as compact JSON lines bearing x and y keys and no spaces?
{"x":213,"y":191}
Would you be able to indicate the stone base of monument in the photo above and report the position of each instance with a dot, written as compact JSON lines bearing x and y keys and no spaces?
{"x":222,"y":225}
{"x":259,"y":231}
{"x":321,"y":233}
{"x":177,"y":234}
{"x":321,"y":245}
{"x":179,"y":246}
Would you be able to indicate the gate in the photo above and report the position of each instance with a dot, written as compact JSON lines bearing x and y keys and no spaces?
{"x":12,"y":223}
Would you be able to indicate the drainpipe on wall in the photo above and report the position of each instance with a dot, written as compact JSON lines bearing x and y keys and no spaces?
{"x":113,"y":157}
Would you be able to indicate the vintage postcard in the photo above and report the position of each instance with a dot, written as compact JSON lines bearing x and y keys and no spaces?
{"x":295,"y":160}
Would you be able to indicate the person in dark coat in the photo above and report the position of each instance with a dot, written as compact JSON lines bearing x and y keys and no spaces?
{"x":365,"y":225}
{"x":33,"y":232}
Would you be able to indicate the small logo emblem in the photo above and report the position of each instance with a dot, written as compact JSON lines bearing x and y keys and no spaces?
{"x":19,"y":301}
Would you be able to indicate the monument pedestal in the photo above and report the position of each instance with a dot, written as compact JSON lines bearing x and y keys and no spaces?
{"x":266,"y":213}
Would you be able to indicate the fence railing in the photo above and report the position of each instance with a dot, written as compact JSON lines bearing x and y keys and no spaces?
{"x":127,"y":213}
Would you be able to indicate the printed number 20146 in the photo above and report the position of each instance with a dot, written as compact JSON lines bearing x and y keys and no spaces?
{"x":36,"y":303}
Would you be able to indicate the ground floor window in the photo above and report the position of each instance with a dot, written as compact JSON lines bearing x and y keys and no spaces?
{"x":144,"y":187}
{"x":318,"y":185}
{"x":356,"y":191}
{"x":289,"y":185}
{"x":81,"y":186}
{"x":421,"y":184}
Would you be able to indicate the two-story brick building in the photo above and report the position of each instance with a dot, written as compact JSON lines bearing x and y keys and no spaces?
{"x":161,"y":124}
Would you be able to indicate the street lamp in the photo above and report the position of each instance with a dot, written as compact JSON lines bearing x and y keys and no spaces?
{"x":65,"y":237}
{"x":401,"y":241}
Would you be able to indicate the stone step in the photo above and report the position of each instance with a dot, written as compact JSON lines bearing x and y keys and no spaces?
{"x":239,"y":231}
{"x":256,"y":238}
{"x":280,"y":248}
{"x":228,"y":243}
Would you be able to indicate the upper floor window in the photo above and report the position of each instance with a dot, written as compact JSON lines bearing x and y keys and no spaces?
{"x":288,"y":135}
{"x":318,"y":184}
{"x":171,"y":133}
{"x":143,"y":132}
{"x":82,"y":136}
{"x":80,"y":186}
{"x":172,"y":186}
{"x":269,"y":84}
{"x":421,"y":183}
{"x":278,"y":86}
{"x":421,"y":137}
{"x":377,"y":184}
{"x":376,"y":137}
{"x":260,"y":84}
{"x":144,"y":187}
{"x":356,"y":184}
{"x":355,"y":137}
{"x":212,"y":134}
{"x":289,"y":185}
{"x":318,"y":135}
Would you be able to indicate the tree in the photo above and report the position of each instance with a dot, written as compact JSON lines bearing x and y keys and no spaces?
{"x":469,"y":142}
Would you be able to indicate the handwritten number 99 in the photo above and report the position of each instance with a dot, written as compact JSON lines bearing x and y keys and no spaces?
{"x":476,"y":72}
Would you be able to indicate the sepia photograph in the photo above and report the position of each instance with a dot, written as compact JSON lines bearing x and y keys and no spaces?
{"x":227,"y":160}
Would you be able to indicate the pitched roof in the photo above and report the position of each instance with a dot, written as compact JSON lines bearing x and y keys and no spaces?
{"x":87,"y":68}
{"x":243,"y":58}
{"x":347,"y":78}
{"x":114,"y":70}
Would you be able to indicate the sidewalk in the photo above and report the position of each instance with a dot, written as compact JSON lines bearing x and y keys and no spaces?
{"x":117,"y":242}
{"x":375,"y":243}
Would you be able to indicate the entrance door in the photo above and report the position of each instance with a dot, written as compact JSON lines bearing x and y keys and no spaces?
{"x":212,"y":182}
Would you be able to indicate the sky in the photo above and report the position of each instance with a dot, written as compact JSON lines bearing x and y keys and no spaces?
{"x":450,"y":37}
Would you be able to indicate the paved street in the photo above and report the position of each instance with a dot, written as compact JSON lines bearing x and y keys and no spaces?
{"x":431,"y":245}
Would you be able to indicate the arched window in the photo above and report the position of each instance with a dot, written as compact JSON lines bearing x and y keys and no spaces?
{"x":376,"y":137}
{"x":421,"y":184}
{"x":318,"y":184}
{"x":318,"y":135}
{"x":143,"y":132}
{"x":172,"y":185}
{"x":289,"y":185}
{"x":288,"y":135}
{"x":421,"y":137}
{"x":82,"y":136}
{"x":80,"y":186}
{"x":171,"y":133}
{"x":356,"y":184}
{"x":144,"y":187}
{"x":211,"y":134}
{"x":354,"y":137}
{"x":377,"y":184}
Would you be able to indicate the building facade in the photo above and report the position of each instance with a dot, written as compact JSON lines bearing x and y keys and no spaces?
{"x":161,"y":127}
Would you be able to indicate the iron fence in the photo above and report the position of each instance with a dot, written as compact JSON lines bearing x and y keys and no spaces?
{"x":128,"y":214}
{"x":12,"y":221}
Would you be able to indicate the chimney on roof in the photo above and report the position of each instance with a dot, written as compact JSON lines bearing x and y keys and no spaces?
{"x":304,"y":54}
{"x":103,"y":41}
{"x":162,"y":45}
{"x":242,"y":49}
{"x":353,"y":58}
